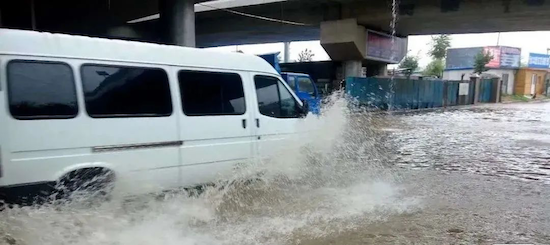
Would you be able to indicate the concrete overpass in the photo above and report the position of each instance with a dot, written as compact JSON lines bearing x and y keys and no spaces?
{"x":416,"y":17}
{"x":341,"y":25}
{"x":215,"y":26}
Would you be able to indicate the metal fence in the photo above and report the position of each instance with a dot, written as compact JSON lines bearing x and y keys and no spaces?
{"x":399,"y":93}
{"x":486,"y":90}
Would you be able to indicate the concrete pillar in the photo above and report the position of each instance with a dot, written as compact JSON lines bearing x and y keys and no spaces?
{"x":383,"y":70}
{"x":497,"y":86}
{"x":287,"y":52}
{"x":178,"y":20}
{"x":343,"y":40}
{"x":352,"y":68}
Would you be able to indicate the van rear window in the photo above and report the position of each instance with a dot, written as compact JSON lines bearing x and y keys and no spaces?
{"x":211,"y":93}
{"x":41,"y":90}
{"x":120,"y":91}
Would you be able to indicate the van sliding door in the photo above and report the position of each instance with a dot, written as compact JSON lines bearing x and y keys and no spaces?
{"x":216,"y":124}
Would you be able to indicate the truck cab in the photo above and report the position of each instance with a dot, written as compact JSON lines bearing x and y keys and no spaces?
{"x":305,"y":89}
{"x":302,"y":84}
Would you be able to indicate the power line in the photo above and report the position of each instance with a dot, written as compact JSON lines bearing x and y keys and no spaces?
{"x":257,"y":16}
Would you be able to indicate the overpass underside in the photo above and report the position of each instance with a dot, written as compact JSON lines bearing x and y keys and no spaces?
{"x":343,"y":26}
{"x":215,"y":27}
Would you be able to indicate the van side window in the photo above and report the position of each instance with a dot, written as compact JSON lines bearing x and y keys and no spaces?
{"x":274,"y":99}
{"x":117,"y":91}
{"x":41,"y":90}
{"x":211,"y":93}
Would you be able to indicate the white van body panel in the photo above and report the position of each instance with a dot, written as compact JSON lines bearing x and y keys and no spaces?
{"x":46,"y":146}
{"x":4,"y":153}
{"x":179,"y":150}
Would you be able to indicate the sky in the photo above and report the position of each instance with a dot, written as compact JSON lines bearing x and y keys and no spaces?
{"x":529,"y":42}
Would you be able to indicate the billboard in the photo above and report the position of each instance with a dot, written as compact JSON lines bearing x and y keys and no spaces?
{"x":381,"y":47}
{"x":503,"y":57}
{"x":510,"y":57}
{"x":461,"y":58}
{"x":495,"y":52}
{"x":539,"y":60}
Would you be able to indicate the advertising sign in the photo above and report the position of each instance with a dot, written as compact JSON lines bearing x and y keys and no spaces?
{"x":539,"y":60}
{"x":503,"y":57}
{"x":495,"y":52}
{"x":461,"y":58}
{"x":381,"y":47}
{"x":510,"y":57}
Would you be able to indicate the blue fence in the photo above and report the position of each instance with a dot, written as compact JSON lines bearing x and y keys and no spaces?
{"x":399,"y":93}
{"x":486,"y":90}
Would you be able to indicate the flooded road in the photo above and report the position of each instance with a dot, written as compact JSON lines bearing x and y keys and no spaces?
{"x":475,"y":175}
{"x":496,"y":140}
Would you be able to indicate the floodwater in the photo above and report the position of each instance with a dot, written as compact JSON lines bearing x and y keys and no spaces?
{"x":477,"y":175}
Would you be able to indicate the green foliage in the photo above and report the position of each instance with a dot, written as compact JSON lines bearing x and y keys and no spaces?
{"x":434,"y":68}
{"x":519,"y":98}
{"x":480,"y":61}
{"x":440,"y":44}
{"x":305,"y":56}
{"x":410,"y":64}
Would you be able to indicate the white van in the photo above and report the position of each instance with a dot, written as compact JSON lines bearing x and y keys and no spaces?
{"x":152,"y":116}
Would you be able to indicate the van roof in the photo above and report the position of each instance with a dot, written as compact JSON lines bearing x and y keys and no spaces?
{"x":32,"y":43}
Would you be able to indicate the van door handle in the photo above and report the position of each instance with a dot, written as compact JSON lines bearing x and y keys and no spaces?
{"x":257,"y":122}
{"x":244,"y":123}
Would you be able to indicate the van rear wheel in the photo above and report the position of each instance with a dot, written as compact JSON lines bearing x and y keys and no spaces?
{"x":90,"y":184}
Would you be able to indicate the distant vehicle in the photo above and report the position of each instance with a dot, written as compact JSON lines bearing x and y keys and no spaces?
{"x":301,"y":83}
{"x":305,"y":88}
{"x":144,"y":117}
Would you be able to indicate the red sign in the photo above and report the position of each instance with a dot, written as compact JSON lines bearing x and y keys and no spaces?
{"x":495,"y":52}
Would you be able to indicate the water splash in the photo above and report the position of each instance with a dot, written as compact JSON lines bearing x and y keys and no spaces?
{"x":337,"y":179}
{"x":393,"y":31}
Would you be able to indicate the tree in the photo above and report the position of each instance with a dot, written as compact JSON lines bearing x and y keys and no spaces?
{"x":438,"y":52}
{"x":480,"y":61}
{"x":440,"y":44}
{"x":410,"y":64}
{"x":434,"y":68}
{"x":305,"y":56}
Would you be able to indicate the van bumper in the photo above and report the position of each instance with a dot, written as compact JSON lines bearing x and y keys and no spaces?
{"x":26,"y":194}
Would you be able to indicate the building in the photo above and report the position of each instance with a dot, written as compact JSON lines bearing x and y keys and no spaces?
{"x":530,"y":81}
{"x":504,"y":65}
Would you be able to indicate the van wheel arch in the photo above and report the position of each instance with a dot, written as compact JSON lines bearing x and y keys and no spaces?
{"x":94,"y":181}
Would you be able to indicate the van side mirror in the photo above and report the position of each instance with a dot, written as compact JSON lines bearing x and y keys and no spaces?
{"x":304,"y":109}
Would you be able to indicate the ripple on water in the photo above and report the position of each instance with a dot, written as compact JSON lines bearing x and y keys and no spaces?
{"x":500,"y":140}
